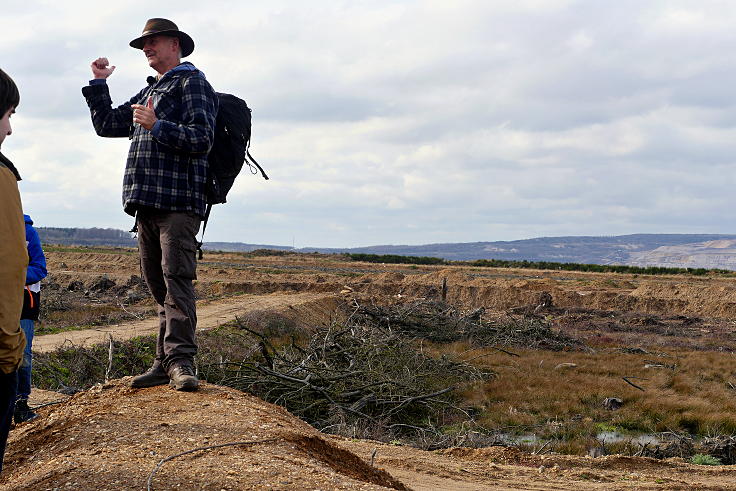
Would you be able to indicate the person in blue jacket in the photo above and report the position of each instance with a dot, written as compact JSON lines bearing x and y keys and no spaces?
{"x":35,"y":272}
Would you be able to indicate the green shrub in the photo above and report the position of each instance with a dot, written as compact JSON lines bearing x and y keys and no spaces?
{"x":701,"y":459}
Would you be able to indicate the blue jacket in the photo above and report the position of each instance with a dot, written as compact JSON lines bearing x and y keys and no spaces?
{"x":36,"y":270}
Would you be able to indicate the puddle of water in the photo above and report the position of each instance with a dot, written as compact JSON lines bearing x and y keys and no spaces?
{"x":527,"y":439}
{"x":615,"y":437}
{"x":604,"y":436}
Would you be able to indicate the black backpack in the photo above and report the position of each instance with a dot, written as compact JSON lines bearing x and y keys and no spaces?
{"x":230,"y":148}
{"x":228,"y":153}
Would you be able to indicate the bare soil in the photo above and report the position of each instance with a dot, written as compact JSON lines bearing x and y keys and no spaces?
{"x":113,"y":437}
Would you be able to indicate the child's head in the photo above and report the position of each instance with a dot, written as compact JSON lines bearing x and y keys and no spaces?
{"x":9,"y":100}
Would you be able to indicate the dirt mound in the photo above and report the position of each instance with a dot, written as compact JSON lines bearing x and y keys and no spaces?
{"x":452,"y":275}
{"x":389,"y":277}
{"x":705,"y":299}
{"x":501,"y":455}
{"x":115,"y":437}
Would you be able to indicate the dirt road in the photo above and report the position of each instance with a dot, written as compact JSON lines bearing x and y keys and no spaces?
{"x":298,"y":306}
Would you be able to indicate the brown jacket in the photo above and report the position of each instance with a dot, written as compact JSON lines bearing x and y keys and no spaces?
{"x":13,"y":262}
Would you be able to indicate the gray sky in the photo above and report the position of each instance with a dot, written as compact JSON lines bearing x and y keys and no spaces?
{"x":406,"y":122}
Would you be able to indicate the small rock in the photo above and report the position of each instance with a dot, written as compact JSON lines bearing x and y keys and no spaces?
{"x":544,"y":302}
{"x":596,"y":452}
{"x":476,"y":314}
{"x":635,"y":351}
{"x":136,"y":281}
{"x":565,"y":365}
{"x":102,"y":284}
{"x":75,"y":286}
{"x":612,"y":403}
{"x":133,"y":296}
{"x":68,"y":391}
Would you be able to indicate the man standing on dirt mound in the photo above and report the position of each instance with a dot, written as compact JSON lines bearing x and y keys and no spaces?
{"x":171,"y":126}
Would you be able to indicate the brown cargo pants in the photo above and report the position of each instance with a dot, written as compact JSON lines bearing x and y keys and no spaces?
{"x":167,"y":244}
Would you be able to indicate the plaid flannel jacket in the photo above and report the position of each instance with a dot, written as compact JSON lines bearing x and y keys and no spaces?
{"x":167,"y":166}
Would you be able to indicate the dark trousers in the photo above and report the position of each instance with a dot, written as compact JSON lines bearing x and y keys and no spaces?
{"x":167,"y":244}
{"x":8,"y":391}
{"x":24,"y":372}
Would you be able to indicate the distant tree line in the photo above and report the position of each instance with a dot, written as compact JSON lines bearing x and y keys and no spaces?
{"x":396,"y":259}
{"x":85,"y":236}
{"x":596,"y":268}
{"x":502,"y":263}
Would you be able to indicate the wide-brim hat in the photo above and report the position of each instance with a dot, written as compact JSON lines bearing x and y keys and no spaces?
{"x":164,"y":27}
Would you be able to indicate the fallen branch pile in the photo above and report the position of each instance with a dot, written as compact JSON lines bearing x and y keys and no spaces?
{"x":723,"y":447}
{"x":355,"y":376}
{"x":442,"y":323}
{"x":674,"y":444}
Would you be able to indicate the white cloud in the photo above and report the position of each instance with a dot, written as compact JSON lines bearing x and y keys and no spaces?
{"x":410,"y":121}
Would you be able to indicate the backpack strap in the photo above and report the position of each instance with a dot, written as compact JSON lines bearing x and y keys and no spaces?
{"x":251,"y":159}
{"x":200,"y":254}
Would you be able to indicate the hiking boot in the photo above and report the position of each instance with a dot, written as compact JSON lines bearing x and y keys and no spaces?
{"x":183,"y":378}
{"x":156,"y":375}
{"x":22,"y":412}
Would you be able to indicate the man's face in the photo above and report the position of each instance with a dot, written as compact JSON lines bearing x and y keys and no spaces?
{"x":5,"y":128}
{"x":162,"y":52}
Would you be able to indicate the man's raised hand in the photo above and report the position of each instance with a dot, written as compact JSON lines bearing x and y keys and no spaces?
{"x":101,"y":68}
